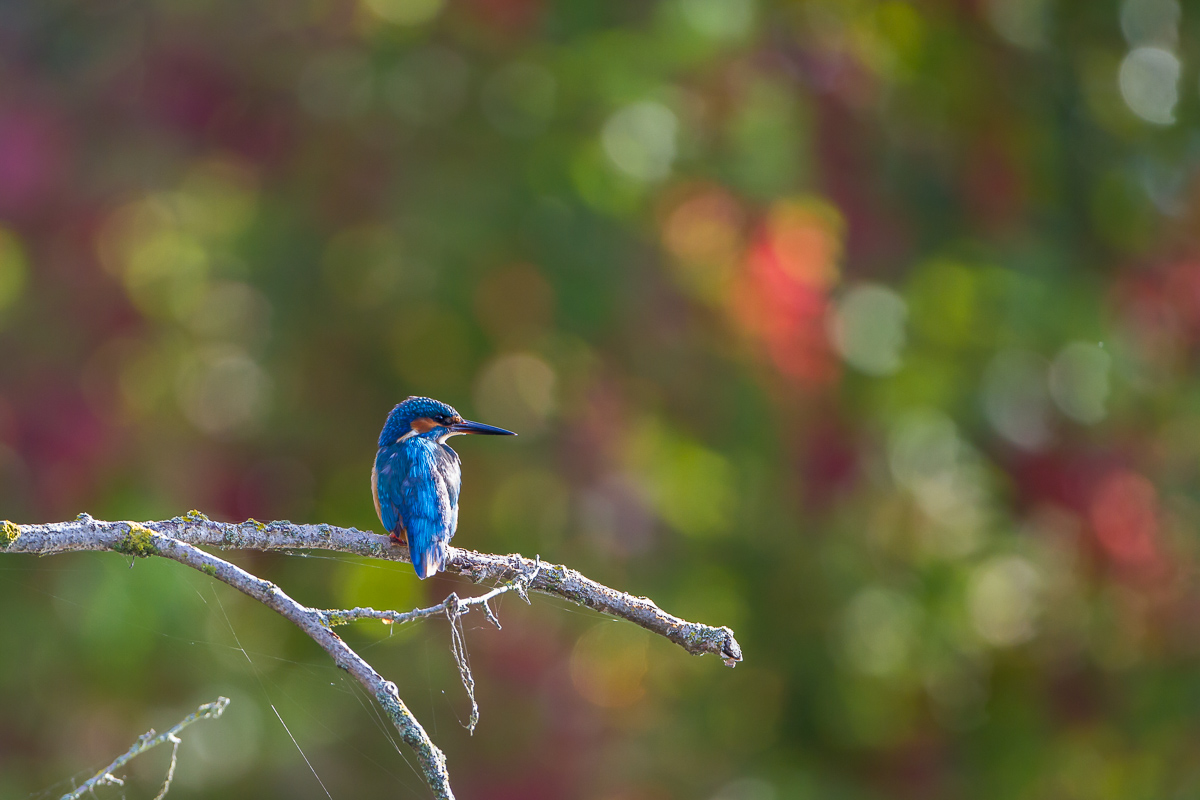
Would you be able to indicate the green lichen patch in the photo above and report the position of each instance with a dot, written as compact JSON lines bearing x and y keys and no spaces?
{"x":209,"y":570}
{"x":139,"y":541}
{"x":287,"y":529}
{"x":195,"y":516}
{"x":8,"y":534}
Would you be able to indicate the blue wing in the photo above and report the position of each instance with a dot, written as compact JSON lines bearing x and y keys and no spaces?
{"x":417,"y":484}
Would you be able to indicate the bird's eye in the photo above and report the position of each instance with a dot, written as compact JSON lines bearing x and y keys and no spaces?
{"x":444,"y":420}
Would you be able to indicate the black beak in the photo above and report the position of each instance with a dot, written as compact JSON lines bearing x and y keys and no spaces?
{"x":466,"y":426}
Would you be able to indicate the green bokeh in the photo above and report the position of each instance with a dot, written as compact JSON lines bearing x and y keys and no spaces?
{"x":957,"y":545}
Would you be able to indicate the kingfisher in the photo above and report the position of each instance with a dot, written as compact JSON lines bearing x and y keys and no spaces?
{"x":416,"y":478}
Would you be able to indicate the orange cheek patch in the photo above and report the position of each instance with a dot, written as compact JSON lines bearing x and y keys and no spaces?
{"x":423,"y":424}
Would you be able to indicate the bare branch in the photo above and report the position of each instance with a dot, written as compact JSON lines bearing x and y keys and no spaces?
{"x":86,"y":533}
{"x":135,"y":539}
{"x":143,"y":541}
{"x":146,"y":741}
{"x":176,"y":539}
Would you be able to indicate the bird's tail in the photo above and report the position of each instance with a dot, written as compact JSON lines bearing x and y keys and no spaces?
{"x":430,"y":560}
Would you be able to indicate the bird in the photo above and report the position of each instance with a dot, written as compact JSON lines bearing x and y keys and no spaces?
{"x":416,"y":478}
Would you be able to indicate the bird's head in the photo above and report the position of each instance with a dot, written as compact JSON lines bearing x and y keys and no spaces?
{"x":433,"y":419}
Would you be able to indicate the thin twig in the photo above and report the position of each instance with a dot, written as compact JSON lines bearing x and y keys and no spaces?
{"x":146,"y":741}
{"x":166,"y":787}
{"x":519,"y":584}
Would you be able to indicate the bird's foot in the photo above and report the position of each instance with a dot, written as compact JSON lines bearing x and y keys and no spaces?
{"x":399,"y":538}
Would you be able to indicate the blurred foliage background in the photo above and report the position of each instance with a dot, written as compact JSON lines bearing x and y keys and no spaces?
{"x":866,"y":327}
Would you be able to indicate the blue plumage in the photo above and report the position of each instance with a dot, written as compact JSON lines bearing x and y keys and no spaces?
{"x":416,"y":478}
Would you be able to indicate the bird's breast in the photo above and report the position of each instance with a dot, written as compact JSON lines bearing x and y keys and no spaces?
{"x":375,"y":492}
